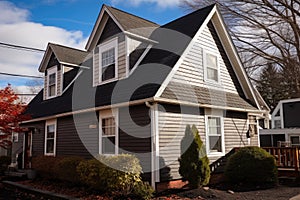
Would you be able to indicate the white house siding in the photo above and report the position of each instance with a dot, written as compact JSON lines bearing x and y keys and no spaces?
{"x":191,"y":70}
{"x":172,"y":126}
{"x":171,"y":131}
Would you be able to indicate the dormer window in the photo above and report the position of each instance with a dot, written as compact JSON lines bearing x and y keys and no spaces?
{"x":211,"y":67}
{"x":108,"y":56}
{"x":52,"y":82}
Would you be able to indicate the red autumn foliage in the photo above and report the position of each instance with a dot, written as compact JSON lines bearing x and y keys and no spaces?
{"x":11,"y":113}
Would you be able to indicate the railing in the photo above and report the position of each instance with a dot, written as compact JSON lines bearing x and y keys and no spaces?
{"x":286,"y":157}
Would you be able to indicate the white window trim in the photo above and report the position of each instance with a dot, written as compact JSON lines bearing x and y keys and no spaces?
{"x":15,"y":137}
{"x":205,"y":52}
{"x":105,"y":114}
{"x":212,"y":154}
{"x":50,"y":71}
{"x":113,"y":43}
{"x":50,"y":122}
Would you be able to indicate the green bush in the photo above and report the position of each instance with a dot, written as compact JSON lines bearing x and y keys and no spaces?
{"x":4,"y":162}
{"x":91,"y":173}
{"x":251,"y":166}
{"x":65,"y":169}
{"x":120,"y":175}
{"x":194,"y":163}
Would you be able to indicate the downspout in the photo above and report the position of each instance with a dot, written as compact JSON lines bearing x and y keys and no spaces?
{"x":154,"y":144}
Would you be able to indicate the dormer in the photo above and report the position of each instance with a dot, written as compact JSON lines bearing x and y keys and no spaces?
{"x":118,"y":41}
{"x":57,"y":61}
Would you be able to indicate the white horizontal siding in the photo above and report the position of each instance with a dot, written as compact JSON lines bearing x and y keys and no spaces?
{"x":171,"y":131}
{"x":192,"y":70}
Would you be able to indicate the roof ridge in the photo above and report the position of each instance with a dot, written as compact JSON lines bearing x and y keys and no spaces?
{"x":191,"y":13}
{"x":72,"y":48}
{"x":131,"y":14}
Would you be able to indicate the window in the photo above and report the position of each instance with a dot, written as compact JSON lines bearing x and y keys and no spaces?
{"x":108,"y":60}
{"x":211,"y":67}
{"x":108,"y":64}
{"x":109,"y":132}
{"x":214,"y":135}
{"x":295,"y":141}
{"x":15,"y":137}
{"x":50,"y":137}
{"x":52,"y":82}
{"x":277,"y":124}
{"x":253,"y":129}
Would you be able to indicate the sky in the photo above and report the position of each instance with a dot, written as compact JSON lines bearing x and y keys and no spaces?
{"x":34,"y":23}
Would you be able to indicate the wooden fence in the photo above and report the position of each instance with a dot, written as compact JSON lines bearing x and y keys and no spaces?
{"x":286,"y":157}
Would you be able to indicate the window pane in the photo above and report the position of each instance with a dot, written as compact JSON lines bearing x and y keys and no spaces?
{"x":108,"y":145}
{"x":50,"y":146}
{"x":108,"y":72}
{"x":295,"y":140}
{"x":108,"y":126}
{"x":212,"y":74}
{"x":51,"y":90}
{"x":215,"y":143}
{"x":50,"y":128}
{"x":52,"y":79}
{"x":108,"y":57}
{"x":211,"y":61}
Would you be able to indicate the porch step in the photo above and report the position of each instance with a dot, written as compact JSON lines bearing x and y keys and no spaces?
{"x":18,"y":174}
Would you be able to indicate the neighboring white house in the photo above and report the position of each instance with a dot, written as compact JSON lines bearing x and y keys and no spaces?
{"x":285,"y":125}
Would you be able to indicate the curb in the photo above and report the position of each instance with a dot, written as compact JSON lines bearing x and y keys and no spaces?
{"x":44,"y":193}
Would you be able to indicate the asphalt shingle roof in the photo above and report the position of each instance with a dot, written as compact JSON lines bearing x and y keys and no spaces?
{"x":67,"y":54}
{"x":144,"y":82}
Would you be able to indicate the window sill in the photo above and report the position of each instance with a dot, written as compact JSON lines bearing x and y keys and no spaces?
{"x":215,"y":154}
{"x":107,"y":81}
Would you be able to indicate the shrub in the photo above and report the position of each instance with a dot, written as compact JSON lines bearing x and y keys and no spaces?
{"x":4,"y":162}
{"x":251,"y":166}
{"x":45,"y":166}
{"x":120,"y":175}
{"x":194,"y":163}
{"x":65,"y":169}
{"x":91,"y":173}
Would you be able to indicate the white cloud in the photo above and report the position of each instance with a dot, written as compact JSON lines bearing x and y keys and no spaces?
{"x":158,"y":3}
{"x":15,"y":28}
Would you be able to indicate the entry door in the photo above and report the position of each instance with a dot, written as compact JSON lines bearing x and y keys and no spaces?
{"x":27,"y":150}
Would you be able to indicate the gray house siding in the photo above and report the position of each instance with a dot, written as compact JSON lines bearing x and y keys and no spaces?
{"x":172,"y":124}
{"x":72,"y":140}
{"x":135,"y":135}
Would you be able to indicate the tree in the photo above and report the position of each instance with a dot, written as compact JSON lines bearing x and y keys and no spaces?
{"x":272,"y":86}
{"x":194,"y":163}
{"x":265,"y":32}
{"x":11,"y":113}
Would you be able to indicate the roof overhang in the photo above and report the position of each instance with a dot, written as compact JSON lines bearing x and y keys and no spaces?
{"x":99,"y":26}
{"x":46,"y":58}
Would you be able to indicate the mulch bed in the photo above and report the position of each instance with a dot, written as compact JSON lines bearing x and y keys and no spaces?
{"x":279,"y":193}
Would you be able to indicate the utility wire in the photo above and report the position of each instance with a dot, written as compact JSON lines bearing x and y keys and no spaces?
{"x":18,"y":47}
{"x":20,"y":75}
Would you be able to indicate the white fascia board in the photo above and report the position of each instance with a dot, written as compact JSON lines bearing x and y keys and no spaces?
{"x":236,"y":57}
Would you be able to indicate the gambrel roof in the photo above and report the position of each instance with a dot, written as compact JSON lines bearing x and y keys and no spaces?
{"x":157,"y":79}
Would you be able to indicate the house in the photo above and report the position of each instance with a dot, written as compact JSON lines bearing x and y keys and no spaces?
{"x":137,"y":86}
{"x":285,"y":125}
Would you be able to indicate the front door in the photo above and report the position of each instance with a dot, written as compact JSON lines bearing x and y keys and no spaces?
{"x":27,"y":150}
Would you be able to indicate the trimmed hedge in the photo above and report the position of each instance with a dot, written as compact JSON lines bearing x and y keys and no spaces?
{"x":251,"y":166}
{"x":118,"y":175}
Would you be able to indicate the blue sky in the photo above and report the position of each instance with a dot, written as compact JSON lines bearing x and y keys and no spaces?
{"x":34,"y":23}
